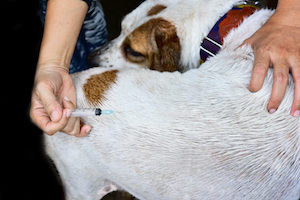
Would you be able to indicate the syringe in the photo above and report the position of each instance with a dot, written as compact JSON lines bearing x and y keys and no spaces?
{"x":83,"y":112}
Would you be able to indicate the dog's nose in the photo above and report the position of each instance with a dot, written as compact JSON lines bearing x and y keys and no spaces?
{"x":93,"y":59}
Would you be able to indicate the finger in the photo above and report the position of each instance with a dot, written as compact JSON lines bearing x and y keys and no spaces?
{"x":84,"y":130}
{"x":49,"y":102}
{"x":75,"y":126}
{"x":280,"y":82}
{"x":68,"y":104}
{"x":46,"y":124}
{"x":259,"y":71}
{"x":295,"y":63}
{"x":72,"y":127}
{"x":40,"y":117}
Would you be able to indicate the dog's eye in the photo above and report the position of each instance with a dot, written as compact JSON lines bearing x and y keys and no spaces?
{"x":129,"y":51}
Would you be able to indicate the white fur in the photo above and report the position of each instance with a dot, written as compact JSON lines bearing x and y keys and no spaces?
{"x":199,"y":135}
{"x":193,"y":20}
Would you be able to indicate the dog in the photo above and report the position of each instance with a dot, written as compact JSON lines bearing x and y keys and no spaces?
{"x":180,"y":131}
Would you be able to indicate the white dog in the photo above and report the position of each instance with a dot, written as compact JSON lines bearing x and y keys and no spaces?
{"x":180,"y":136}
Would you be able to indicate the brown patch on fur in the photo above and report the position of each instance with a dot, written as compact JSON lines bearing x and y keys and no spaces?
{"x":95,"y":87}
{"x":156,"y":9}
{"x":154,"y":44}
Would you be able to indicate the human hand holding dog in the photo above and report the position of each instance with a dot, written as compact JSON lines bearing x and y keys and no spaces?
{"x":277,"y":44}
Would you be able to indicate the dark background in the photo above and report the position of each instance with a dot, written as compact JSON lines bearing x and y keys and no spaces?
{"x":25,"y":171}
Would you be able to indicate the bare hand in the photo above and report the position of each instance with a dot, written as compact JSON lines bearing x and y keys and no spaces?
{"x":277,"y":44}
{"x":53,"y":98}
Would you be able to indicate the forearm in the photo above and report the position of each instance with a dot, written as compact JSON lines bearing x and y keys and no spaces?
{"x":63,"y":22}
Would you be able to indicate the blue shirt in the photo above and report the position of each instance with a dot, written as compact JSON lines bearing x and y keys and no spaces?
{"x":93,"y":34}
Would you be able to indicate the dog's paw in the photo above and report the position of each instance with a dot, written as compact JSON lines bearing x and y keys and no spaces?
{"x":107,"y":189}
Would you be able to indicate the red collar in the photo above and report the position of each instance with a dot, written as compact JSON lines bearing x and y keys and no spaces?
{"x":213,"y":42}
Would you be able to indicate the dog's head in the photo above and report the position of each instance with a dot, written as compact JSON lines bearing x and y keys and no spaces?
{"x":162,"y":35}
{"x":153,"y":44}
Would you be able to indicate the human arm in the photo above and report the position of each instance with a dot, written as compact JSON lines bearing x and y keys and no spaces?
{"x":54,"y":94}
{"x":277,"y":44}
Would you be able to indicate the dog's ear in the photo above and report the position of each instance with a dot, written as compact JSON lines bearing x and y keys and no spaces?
{"x":154,"y":44}
{"x":166,"y":47}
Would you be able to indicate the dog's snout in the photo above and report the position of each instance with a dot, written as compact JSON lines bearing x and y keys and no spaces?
{"x":93,"y":59}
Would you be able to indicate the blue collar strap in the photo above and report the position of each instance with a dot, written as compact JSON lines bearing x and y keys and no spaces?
{"x":213,"y":42}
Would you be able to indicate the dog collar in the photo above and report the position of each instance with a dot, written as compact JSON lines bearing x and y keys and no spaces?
{"x":213,"y":42}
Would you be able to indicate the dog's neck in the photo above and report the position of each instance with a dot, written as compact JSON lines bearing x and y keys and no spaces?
{"x":213,"y":42}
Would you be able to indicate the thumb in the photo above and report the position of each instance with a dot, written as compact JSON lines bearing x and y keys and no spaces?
{"x":247,"y":42}
{"x":51,"y":105}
